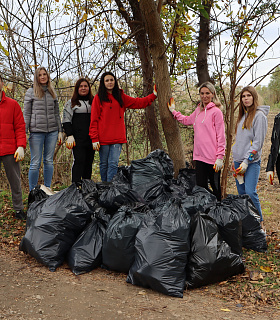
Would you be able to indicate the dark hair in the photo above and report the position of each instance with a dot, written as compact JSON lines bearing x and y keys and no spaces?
{"x":1,"y":79}
{"x":76,"y":97}
{"x":102,"y":91}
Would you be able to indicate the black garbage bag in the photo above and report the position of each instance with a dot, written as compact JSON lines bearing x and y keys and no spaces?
{"x":122,"y":176}
{"x":118,"y":248}
{"x":159,"y":202}
{"x":200,"y":200}
{"x":253,"y":237}
{"x":162,"y":246}
{"x":86,"y":253}
{"x":36,"y":194}
{"x":90,"y":193}
{"x":59,"y":221}
{"x":230,"y":225}
{"x":187,"y":179}
{"x":210,"y":259}
{"x":149,"y":175}
{"x":118,"y":195}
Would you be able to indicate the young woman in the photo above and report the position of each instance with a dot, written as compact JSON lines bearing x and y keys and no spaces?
{"x":76,"y":121}
{"x":41,"y":115}
{"x":250,"y":129}
{"x":209,"y":137}
{"x":107,"y":128}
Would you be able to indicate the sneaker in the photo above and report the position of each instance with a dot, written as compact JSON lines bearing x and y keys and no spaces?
{"x":20,"y":214}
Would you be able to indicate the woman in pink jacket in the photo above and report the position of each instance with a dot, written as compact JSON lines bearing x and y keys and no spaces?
{"x":209,"y":137}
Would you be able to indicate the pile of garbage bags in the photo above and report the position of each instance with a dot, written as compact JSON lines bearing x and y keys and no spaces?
{"x":167,"y":234}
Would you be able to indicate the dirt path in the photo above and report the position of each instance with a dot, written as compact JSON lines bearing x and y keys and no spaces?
{"x":29,"y":291}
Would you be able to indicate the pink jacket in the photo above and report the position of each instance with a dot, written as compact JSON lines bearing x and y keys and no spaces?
{"x":209,"y":132}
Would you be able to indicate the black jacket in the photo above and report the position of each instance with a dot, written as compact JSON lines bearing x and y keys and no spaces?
{"x":274,"y":151}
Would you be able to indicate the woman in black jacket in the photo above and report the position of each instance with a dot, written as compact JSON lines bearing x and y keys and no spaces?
{"x":76,"y":121}
{"x":273,"y":159}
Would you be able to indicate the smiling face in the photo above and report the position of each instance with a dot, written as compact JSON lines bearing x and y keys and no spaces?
{"x":247,"y":99}
{"x":83,"y":89}
{"x":109,"y":83}
{"x":206,"y":96}
{"x":43,"y":77}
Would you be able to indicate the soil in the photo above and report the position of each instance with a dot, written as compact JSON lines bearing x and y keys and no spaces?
{"x":28,"y":290}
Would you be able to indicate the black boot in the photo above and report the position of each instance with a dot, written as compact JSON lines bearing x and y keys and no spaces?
{"x":20,"y":214}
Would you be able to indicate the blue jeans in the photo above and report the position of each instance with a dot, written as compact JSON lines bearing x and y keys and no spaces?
{"x":37,"y":142}
{"x":249,"y":186}
{"x":109,"y":160}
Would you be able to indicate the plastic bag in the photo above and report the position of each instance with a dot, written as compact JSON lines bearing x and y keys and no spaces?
{"x":59,"y":221}
{"x":149,"y":175}
{"x":90,"y":193}
{"x":253,"y":237}
{"x":118,"y":248}
{"x":162,"y":246}
{"x":187,"y":179}
{"x":230,"y":225}
{"x":210,"y":259}
{"x":200,"y":200}
{"x":36,"y":194}
{"x":86,"y":253}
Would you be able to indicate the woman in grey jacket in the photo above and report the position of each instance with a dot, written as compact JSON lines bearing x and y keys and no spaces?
{"x":251,"y":130}
{"x":41,"y":115}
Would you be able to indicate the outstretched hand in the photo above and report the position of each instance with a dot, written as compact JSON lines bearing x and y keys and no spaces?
{"x":171,"y":104}
{"x":155,"y":90}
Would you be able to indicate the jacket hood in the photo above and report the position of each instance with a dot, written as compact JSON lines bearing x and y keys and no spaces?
{"x":264,"y":109}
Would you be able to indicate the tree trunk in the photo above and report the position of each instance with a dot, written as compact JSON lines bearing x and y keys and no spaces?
{"x":157,"y":48}
{"x":203,"y":45}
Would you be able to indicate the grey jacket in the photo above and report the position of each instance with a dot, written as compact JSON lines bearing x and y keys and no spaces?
{"x":251,"y":139}
{"x":41,"y":115}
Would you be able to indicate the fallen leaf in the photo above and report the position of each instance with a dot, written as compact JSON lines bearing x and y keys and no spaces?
{"x":266,"y":269}
{"x":226,"y":310}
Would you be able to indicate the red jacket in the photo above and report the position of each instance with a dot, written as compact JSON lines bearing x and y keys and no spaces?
{"x":107,"y":120}
{"x":12,"y":126}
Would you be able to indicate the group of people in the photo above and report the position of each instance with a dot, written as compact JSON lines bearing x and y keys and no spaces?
{"x":96,"y":123}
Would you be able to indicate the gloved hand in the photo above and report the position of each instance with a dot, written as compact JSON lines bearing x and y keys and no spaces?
{"x":96,"y":146}
{"x":60,"y":138}
{"x":240,"y":178}
{"x":270,"y":176}
{"x":218,"y":165}
{"x":251,"y":156}
{"x":155,"y":90}
{"x":70,"y":142}
{"x":242,"y":168}
{"x":171,"y":105}
{"x":19,"y":154}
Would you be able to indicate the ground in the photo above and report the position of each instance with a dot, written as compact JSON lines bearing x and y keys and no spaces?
{"x":28,"y":290}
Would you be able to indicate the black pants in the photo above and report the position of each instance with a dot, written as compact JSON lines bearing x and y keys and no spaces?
{"x":277,"y":165}
{"x":205,"y":173}
{"x":82,"y":166}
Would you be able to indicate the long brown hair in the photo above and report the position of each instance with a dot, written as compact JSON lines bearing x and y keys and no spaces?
{"x":38,"y":90}
{"x":76,"y":97}
{"x":212,"y":89}
{"x":102,"y":91}
{"x":251,"y":111}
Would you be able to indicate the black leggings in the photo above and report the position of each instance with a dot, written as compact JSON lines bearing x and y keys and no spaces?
{"x":204,"y":173}
{"x":82,"y":166}
{"x":277,"y":165}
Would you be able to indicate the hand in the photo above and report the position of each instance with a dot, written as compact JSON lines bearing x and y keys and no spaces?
{"x":171,"y":105}
{"x":242,"y":168}
{"x":270,"y":177}
{"x":60,"y":138}
{"x":19,"y":154}
{"x":96,"y":146}
{"x":70,"y":142}
{"x":218,"y":165}
{"x":240,"y":178}
{"x":155,"y":90}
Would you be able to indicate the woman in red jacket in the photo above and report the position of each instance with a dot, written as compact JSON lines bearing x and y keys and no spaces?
{"x":107,"y":128}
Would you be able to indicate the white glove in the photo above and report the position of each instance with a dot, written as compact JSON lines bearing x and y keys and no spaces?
{"x":60,"y":137}
{"x":270,"y":176}
{"x":218,"y":165}
{"x":155,"y":90}
{"x":242,"y":168}
{"x":70,"y":142}
{"x":171,"y":105}
{"x":96,"y":145}
{"x":19,"y":154}
{"x":240,"y":179}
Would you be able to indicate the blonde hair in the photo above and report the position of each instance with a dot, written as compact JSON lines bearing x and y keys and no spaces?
{"x":212,"y":89}
{"x":251,"y":111}
{"x":38,"y":90}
